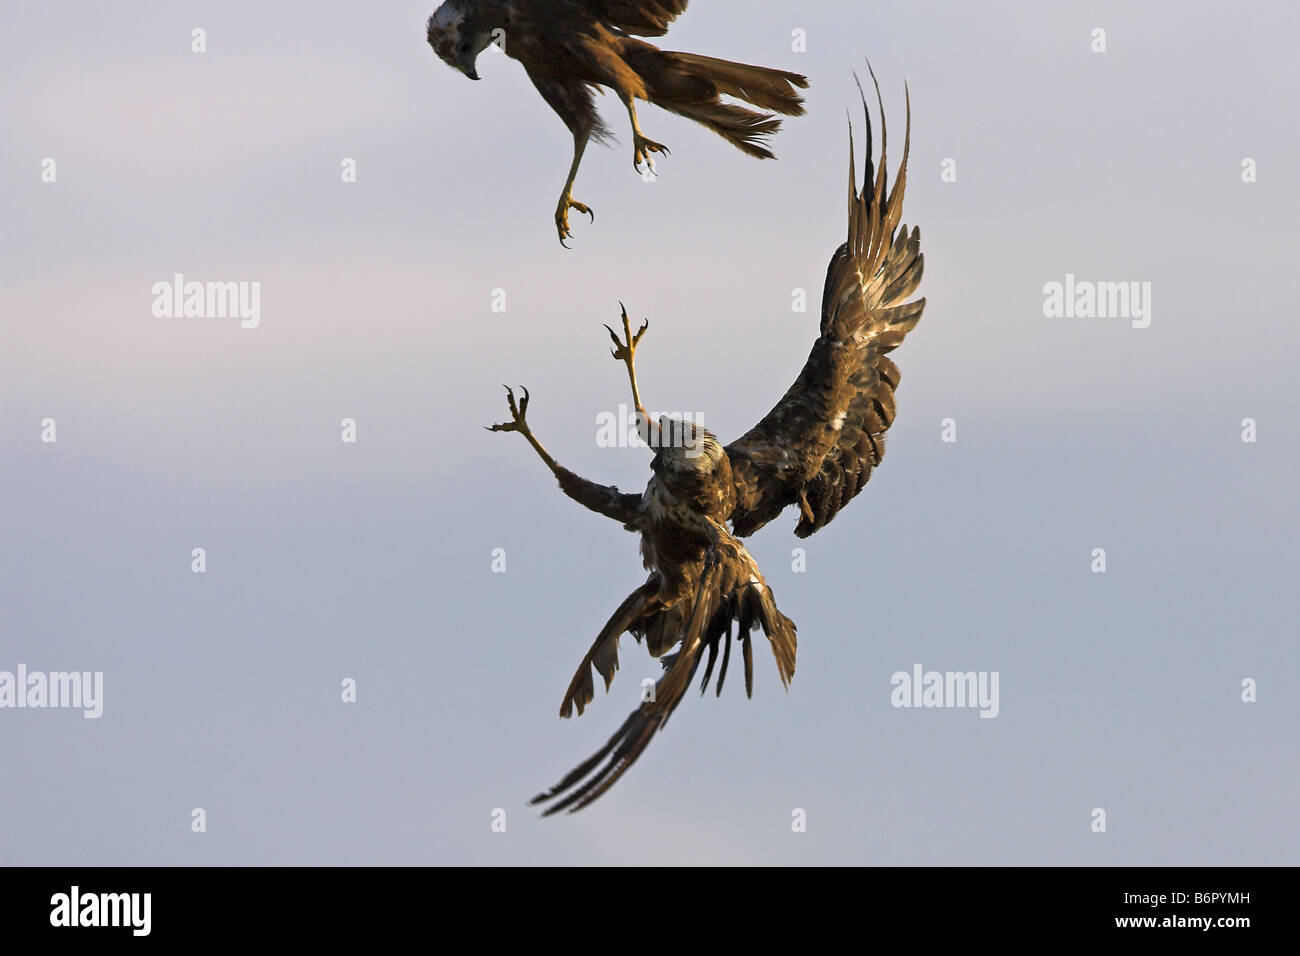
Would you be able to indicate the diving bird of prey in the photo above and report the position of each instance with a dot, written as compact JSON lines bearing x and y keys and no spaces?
{"x":814,"y":450}
{"x":571,"y":48}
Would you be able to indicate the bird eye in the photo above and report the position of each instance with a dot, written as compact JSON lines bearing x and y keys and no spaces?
{"x":464,"y":48}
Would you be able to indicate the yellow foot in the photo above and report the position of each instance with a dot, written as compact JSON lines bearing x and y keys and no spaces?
{"x":518,"y":422}
{"x":624,"y":349}
{"x":642,"y":147}
{"x":567,"y":202}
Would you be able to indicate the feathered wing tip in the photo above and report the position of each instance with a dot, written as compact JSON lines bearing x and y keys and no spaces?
{"x":780,"y":631}
{"x":751,"y":607}
{"x":721,"y":599}
{"x":603,"y":655}
{"x":589,"y":780}
{"x":833,"y":419}
{"x":853,"y":282}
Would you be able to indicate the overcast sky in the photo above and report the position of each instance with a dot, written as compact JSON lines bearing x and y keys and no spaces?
{"x":373,"y":560}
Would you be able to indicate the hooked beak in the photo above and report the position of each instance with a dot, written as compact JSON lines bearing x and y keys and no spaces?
{"x":466,"y":63}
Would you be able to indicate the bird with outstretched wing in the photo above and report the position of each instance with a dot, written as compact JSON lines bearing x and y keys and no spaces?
{"x":815,"y":450}
{"x":572,"y":48}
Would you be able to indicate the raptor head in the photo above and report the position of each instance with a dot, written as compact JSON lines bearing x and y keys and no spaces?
{"x":456,"y":34}
{"x":684,"y":448}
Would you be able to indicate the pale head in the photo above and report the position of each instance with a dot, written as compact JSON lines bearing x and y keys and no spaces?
{"x":684,"y":446}
{"x":455,"y":35}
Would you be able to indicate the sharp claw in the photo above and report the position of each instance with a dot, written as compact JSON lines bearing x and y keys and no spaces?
{"x":562,"y":218}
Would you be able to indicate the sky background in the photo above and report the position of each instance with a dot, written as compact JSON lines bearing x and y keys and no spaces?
{"x":373,"y":560}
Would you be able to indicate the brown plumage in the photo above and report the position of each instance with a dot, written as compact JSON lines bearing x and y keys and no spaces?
{"x":572,"y":48}
{"x":814,"y":450}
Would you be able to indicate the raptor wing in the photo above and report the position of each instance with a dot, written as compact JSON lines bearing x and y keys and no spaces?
{"x":818,"y":446}
{"x":646,"y":18}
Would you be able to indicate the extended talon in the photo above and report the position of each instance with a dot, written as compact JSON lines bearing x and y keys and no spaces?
{"x":517,"y":413}
{"x":519,"y":423}
{"x":624,"y":349}
{"x":562,"y":216}
{"x":641,"y":150}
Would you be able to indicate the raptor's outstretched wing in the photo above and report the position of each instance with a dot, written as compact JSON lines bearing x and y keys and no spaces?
{"x":646,"y":18}
{"x":817,"y":447}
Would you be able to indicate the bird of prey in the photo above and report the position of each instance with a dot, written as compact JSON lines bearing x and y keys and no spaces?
{"x":571,"y":48}
{"x":814,"y":450}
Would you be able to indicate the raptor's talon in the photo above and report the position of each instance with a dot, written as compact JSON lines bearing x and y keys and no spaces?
{"x":642,"y":147}
{"x":624,"y":349}
{"x":562,"y":216}
{"x":518,"y":411}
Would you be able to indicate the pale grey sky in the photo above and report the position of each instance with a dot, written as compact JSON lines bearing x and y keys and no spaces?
{"x":373,"y":560}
